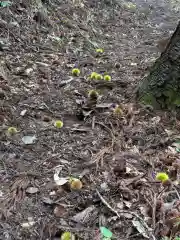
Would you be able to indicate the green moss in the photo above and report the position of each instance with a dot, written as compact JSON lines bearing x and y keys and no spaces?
{"x":148,"y":99}
{"x":158,"y":94}
{"x":164,"y":96}
{"x":177,"y":101}
{"x":172,"y":97}
{"x":170,"y":94}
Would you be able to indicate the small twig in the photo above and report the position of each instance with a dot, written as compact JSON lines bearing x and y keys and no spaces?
{"x":93,"y":122}
{"x":131,"y":121}
{"x":4,"y":165}
{"x":99,"y":156}
{"x":176,"y":191}
{"x":161,"y":192}
{"x":125,"y":211}
{"x":107,"y":204}
{"x":109,"y":130}
{"x":154,"y":212}
{"x":164,"y":190}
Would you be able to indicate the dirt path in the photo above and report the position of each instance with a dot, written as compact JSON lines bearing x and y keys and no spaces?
{"x":116,"y":157}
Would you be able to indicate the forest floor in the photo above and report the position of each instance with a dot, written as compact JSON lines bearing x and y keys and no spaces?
{"x":115,"y":157}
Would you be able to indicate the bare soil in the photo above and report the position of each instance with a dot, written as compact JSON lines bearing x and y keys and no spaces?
{"x":116,"y":157}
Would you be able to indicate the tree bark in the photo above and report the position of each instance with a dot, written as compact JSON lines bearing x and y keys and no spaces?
{"x":161,"y":88}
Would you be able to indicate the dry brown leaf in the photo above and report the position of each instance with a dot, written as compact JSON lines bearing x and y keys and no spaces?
{"x":32,"y":190}
{"x":60,"y":211}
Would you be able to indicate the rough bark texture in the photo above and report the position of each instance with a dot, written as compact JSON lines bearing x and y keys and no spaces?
{"x":161,"y":88}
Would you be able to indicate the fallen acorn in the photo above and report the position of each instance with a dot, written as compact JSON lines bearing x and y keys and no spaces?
{"x":76,"y":184}
{"x":99,"y":50}
{"x":93,"y":75}
{"x":58,"y":124}
{"x":12,"y":130}
{"x":118,"y":111}
{"x":162,"y":176}
{"x":107,"y":78}
{"x":75,"y":72}
{"x":98,"y":77}
{"x":68,"y":236}
{"x":93,"y":94}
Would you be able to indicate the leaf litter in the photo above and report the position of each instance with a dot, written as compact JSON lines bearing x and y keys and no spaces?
{"x":115,"y":156}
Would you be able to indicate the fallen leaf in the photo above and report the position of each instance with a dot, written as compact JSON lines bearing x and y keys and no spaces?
{"x":169,"y":132}
{"x":28,"y":224}
{"x":85,"y":215}
{"x":156,"y":120}
{"x":120,"y":205}
{"x":172,"y":150}
{"x":5,"y":4}
{"x":47,"y":201}
{"x":86,"y":113}
{"x":128,"y":204}
{"x":29,"y":139}
{"x":140,"y":228}
{"x":32,"y":190}
{"x":23,"y":112}
{"x":53,"y":193}
{"x":133,"y":64}
{"x":59,"y":180}
{"x":104,"y":105}
{"x":59,"y":211}
{"x":128,"y":215}
{"x":106,"y":232}
{"x":28,"y":71}
{"x":104,"y":187}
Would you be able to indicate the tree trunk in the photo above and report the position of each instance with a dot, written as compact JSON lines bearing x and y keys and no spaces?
{"x":161,"y":88}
